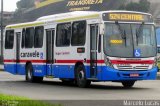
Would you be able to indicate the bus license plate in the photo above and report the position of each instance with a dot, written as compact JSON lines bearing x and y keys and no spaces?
{"x":134,"y":75}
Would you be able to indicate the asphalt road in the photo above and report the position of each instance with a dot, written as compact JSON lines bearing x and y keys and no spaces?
{"x":55,"y":90}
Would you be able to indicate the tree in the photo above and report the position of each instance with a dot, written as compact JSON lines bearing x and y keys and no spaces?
{"x":145,"y":4}
{"x":25,"y":4}
{"x":133,"y":6}
{"x":142,"y":6}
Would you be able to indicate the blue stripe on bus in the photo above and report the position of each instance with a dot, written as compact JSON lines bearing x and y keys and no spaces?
{"x":104,"y":73}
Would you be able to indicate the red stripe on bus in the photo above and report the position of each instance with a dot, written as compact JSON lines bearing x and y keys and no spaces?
{"x":9,"y":61}
{"x":132,"y":62}
{"x":23,"y":61}
{"x":68,"y":61}
{"x":57,"y":61}
{"x":88,"y":61}
{"x":96,"y":61}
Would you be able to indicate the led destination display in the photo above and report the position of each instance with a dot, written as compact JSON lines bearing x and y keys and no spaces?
{"x":134,"y":17}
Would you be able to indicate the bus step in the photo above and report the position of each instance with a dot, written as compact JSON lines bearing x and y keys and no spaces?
{"x":49,"y":76}
{"x":93,"y":79}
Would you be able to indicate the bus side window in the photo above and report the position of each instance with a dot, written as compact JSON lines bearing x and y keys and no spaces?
{"x":78,"y":33}
{"x":38,"y":38}
{"x":29,"y":36}
{"x":9,"y":40}
{"x":63,"y":35}
{"x":23,"y":38}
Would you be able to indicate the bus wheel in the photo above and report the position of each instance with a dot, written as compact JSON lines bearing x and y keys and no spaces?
{"x":29,"y":74}
{"x":81,"y":77}
{"x":128,"y":84}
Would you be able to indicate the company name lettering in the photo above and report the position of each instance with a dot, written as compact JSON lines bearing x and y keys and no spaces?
{"x":32,"y":54}
{"x":83,"y":2}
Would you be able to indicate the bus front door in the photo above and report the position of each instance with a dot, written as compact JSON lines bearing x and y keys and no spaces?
{"x":93,"y":50}
{"x":18,"y":37}
{"x":50,"y":51}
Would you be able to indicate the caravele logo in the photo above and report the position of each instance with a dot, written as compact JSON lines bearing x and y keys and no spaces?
{"x":32,"y":54}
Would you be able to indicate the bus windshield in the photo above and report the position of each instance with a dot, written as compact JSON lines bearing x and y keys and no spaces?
{"x":122,"y":40}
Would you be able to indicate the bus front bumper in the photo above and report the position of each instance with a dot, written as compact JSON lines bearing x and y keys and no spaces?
{"x":110,"y":74}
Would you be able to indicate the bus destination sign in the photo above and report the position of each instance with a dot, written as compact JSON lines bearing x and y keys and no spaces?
{"x":133,"y":17}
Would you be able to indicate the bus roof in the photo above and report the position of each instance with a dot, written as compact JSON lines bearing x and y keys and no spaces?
{"x":57,"y":18}
{"x":75,"y":14}
{"x":64,"y":17}
{"x":67,"y":15}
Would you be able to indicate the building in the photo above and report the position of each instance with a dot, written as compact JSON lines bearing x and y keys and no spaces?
{"x":7,"y":15}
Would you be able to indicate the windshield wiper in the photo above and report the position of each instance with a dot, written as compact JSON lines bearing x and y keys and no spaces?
{"x":139,"y":31}
{"x":123,"y":32}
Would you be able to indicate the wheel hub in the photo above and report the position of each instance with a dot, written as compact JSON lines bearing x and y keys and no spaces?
{"x":29,"y":74}
{"x":81,"y":75}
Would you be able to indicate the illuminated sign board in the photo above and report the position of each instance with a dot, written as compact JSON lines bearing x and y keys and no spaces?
{"x":42,"y":3}
{"x":50,"y":7}
{"x":72,"y":5}
{"x":131,"y":17}
{"x":116,"y":41}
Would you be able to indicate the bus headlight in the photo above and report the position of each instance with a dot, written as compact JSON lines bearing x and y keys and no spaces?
{"x":155,"y":63}
{"x":108,"y":62}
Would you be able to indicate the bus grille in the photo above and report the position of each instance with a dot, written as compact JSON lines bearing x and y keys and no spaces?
{"x":129,"y":67}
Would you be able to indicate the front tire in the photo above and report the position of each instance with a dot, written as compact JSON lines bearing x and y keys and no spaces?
{"x":81,"y":77}
{"x":29,"y":74}
{"x":128,"y":84}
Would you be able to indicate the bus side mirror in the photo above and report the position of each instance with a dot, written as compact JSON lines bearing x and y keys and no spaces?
{"x":101,"y":32}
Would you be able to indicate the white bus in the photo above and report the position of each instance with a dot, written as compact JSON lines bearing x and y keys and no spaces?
{"x":84,"y":46}
{"x":158,"y":56}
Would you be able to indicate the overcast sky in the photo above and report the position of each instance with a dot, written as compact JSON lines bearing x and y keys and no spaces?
{"x":9,"y":5}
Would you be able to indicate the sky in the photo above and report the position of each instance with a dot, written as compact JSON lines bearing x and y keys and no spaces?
{"x":9,"y":5}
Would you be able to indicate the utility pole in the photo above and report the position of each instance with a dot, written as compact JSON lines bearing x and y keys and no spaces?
{"x":2,"y":28}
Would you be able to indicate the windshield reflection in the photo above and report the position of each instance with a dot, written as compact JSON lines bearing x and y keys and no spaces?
{"x":137,"y":37}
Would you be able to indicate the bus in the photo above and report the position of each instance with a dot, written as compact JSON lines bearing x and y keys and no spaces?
{"x":84,"y":47}
{"x":158,"y":57}
{"x":158,"y":46}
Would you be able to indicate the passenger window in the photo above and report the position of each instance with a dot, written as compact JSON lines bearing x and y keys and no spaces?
{"x":9,"y":39}
{"x":23,"y":38}
{"x":63,"y":34}
{"x":38,"y":38}
{"x":29,"y":36}
{"x":78,"y":33}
